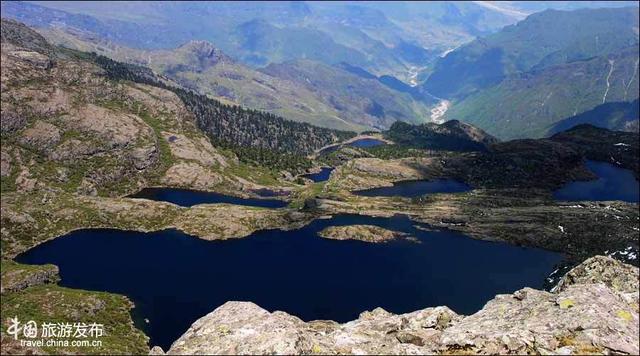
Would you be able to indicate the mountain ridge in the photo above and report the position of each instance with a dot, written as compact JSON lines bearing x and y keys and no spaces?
{"x":285,"y":95}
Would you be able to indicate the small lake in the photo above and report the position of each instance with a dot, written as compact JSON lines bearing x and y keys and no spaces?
{"x":323,"y":175}
{"x":367,"y":142}
{"x":361,"y":143}
{"x":613,"y":183}
{"x":174,"y":278}
{"x":415,"y":188}
{"x":188,"y":197}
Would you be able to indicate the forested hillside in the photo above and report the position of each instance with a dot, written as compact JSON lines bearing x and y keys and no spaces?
{"x":255,"y":136}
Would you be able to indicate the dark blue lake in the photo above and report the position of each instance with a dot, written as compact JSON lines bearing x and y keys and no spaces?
{"x":362,"y":143}
{"x":324,"y":174}
{"x":187,"y":197}
{"x":367,"y":142}
{"x":174,"y":279}
{"x":415,"y":188}
{"x":613,"y":183}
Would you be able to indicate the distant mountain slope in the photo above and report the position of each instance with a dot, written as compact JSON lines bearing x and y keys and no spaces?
{"x":530,"y":104}
{"x":541,"y":40}
{"x":519,"y":82}
{"x":620,"y":116}
{"x":329,"y":103}
{"x":263,"y":43}
{"x":366,"y":101}
{"x":386,"y":39}
{"x":598,"y":144}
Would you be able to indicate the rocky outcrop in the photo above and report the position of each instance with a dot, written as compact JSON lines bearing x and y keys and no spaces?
{"x":366,"y":233}
{"x":5,"y":164}
{"x":18,"y":34}
{"x":619,"y":277}
{"x":365,"y":173}
{"x":191,"y":175}
{"x":16,"y":278}
{"x":589,"y":317}
{"x":41,"y":136}
{"x":227,"y":221}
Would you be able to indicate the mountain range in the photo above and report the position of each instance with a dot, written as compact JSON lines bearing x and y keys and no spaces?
{"x":85,"y":137}
{"x":300,"y":90}
{"x":385,"y":38}
{"x":363,"y":65}
{"x":514,"y":83}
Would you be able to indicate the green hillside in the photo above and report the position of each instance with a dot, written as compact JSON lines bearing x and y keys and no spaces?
{"x":365,"y":101}
{"x":619,"y":116}
{"x":541,"y":40}
{"x":530,"y":104}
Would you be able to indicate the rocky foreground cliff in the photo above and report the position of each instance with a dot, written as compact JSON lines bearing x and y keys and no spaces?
{"x":594,"y":309}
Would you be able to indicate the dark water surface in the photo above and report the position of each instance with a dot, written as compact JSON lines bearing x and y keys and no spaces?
{"x":187,"y":197}
{"x":362,"y":143}
{"x":415,"y":188}
{"x":174,"y":279}
{"x":323,"y":175}
{"x":367,"y":142}
{"x":613,"y":183}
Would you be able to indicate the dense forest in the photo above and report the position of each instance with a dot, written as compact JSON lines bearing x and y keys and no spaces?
{"x":255,"y":136}
{"x":452,"y":136}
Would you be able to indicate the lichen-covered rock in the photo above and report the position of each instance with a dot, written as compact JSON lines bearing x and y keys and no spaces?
{"x":191,"y":175}
{"x":193,"y":150}
{"x":5,"y":163}
{"x":581,"y":318}
{"x":585,"y":318}
{"x":367,"y":233}
{"x":245,"y":328}
{"x":600,"y":269}
{"x":42,"y":136}
{"x":11,"y":121}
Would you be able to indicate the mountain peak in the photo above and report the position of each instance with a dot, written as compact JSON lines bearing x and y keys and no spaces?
{"x":204,"y":53}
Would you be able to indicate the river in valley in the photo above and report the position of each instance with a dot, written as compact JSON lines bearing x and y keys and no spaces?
{"x":174,"y":278}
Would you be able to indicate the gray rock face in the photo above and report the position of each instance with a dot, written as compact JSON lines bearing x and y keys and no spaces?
{"x":20,"y":35}
{"x":11,"y":121}
{"x":42,"y":136}
{"x":144,"y":157}
{"x":586,"y":315}
{"x":17,"y":279}
{"x":599,"y":269}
